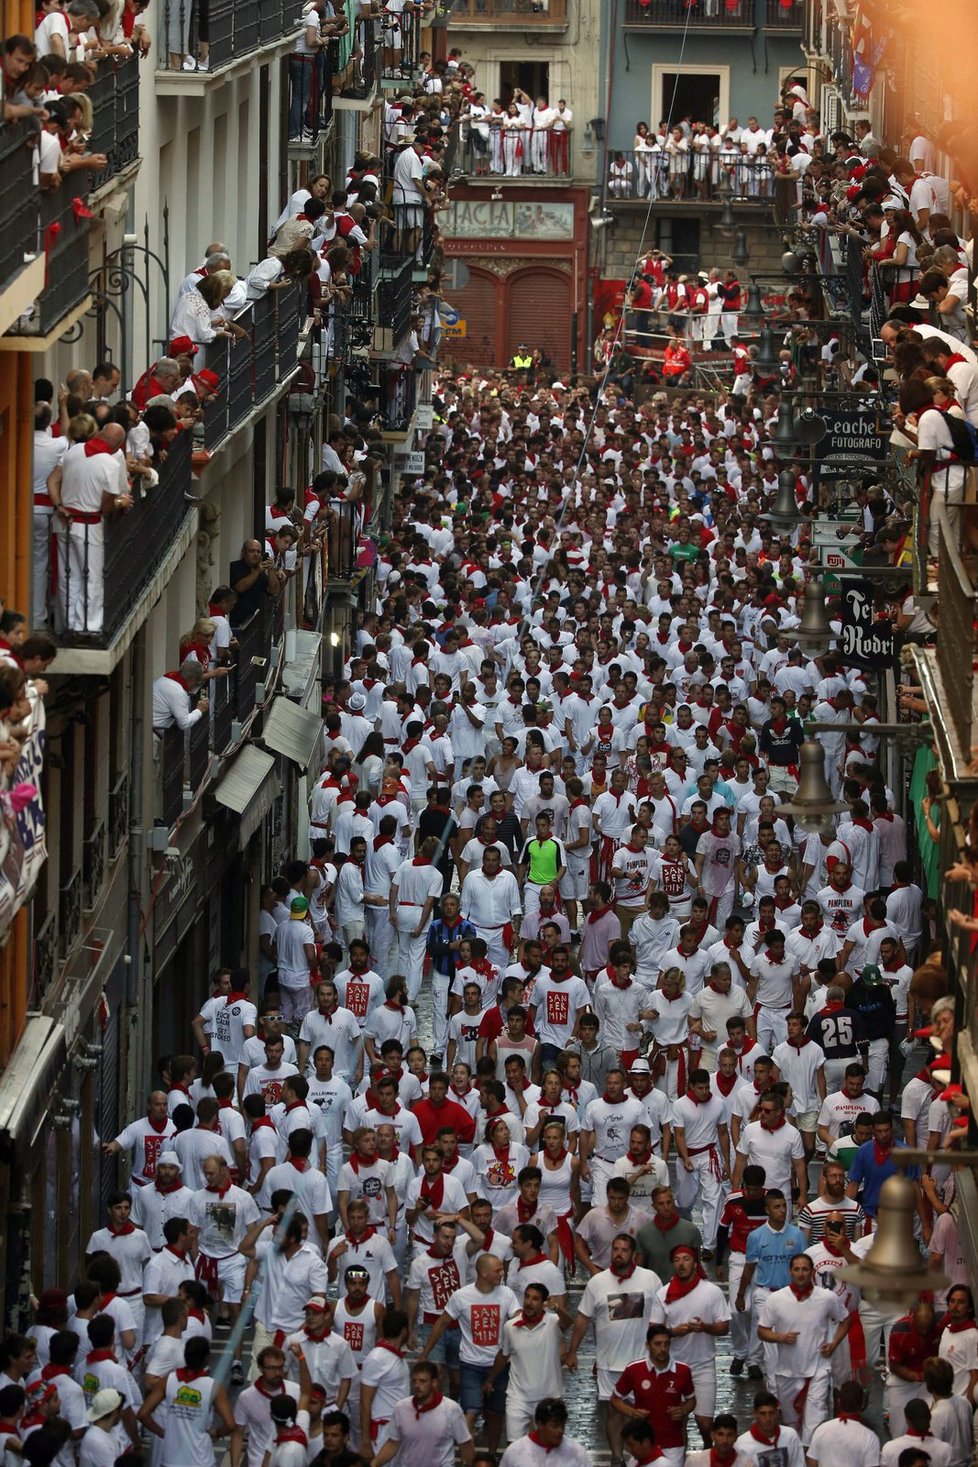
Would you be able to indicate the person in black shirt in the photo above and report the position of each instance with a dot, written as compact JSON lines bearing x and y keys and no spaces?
{"x":437,"y":819}
{"x":508,"y":828}
{"x":872,"y":1000}
{"x":253,"y":577}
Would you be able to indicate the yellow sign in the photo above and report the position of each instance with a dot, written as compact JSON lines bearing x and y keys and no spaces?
{"x":455,"y":331}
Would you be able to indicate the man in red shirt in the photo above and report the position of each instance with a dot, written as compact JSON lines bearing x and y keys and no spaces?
{"x":660,"y":1392}
{"x":436,"y":1111}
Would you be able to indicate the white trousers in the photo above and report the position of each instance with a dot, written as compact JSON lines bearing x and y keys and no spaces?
{"x":805,"y":1403}
{"x":703,"y":1183}
{"x":81,"y":579}
{"x":41,"y":561}
{"x":410,"y":949}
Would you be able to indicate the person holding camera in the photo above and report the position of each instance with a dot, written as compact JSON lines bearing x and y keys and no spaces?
{"x":253,"y":577}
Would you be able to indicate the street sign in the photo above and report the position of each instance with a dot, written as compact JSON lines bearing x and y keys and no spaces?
{"x":410,"y":464}
{"x":455,"y":275}
{"x":424,"y":417}
{"x":865,"y":641}
{"x":851,"y":446}
{"x":838,"y":542}
{"x":448,"y":315}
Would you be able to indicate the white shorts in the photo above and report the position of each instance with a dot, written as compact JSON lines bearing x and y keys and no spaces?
{"x":807,"y":1121}
{"x":231,"y":1276}
{"x":574,"y":884}
{"x":606,"y":1382}
{"x":705,"y":1387}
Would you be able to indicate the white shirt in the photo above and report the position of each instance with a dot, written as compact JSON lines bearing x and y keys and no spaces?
{"x":489,"y":904}
{"x":814,"y":1320}
{"x":751,"y":1451}
{"x":622,"y":1310}
{"x":481,"y":1317}
{"x":962,"y":1351}
{"x":773,"y":1150}
{"x":428,"y":1438}
{"x":534,"y":1358}
{"x":171,"y":705}
{"x":705,"y":1302}
{"x":524,"y":1452}
{"x":939,"y":1452}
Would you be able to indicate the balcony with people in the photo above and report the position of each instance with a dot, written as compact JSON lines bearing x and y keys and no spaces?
{"x":198,"y":42}
{"x":526,"y":15}
{"x":70,"y":135}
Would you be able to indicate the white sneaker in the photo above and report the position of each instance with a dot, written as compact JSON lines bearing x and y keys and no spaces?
{"x":189,"y":64}
{"x":204,"y":65}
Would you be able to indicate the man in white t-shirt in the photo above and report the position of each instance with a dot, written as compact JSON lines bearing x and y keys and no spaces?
{"x":806,"y":1324}
{"x":619,"y":1301}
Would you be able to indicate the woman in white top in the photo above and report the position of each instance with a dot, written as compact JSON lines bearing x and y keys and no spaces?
{"x":198,"y":312}
{"x":677,"y":151}
{"x":642,"y":148}
{"x":515,"y":135}
{"x":902,"y":267}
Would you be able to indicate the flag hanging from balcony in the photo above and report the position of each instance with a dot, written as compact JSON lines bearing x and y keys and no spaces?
{"x":868,"y":45}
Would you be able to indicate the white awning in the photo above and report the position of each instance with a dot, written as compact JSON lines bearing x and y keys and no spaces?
{"x":248,"y":789}
{"x":28,"y":1081}
{"x":292,"y":731}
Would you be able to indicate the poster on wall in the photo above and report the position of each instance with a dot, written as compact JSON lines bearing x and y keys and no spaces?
{"x":23,"y":847}
{"x":535,"y":220}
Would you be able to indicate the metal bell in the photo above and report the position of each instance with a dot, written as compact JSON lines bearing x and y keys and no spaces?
{"x":740,"y":253}
{"x":767,"y":355}
{"x":893,"y":1272}
{"x":727,"y":223}
{"x":812,"y":805}
{"x":810,"y":427}
{"x":784,"y":514}
{"x":784,"y":431}
{"x":815,"y":633}
{"x":754,"y":307}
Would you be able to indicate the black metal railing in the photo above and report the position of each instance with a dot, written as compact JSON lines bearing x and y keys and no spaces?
{"x":360,"y":74}
{"x":494,"y":147}
{"x":64,"y":242}
{"x":398,"y":397}
{"x":198,"y":744}
{"x":700,"y":14}
{"x":94,"y":863}
{"x":114,"y":96}
{"x":254,"y":659}
{"x":956,"y":641}
{"x":18,"y":213}
{"x":46,"y":948}
{"x":783,"y":17}
{"x":69,"y":911}
{"x":250,"y":369}
{"x":222,"y":712}
{"x":171,"y":756}
{"x":528,"y":13}
{"x":662,"y":173}
{"x":104,"y":568}
{"x":341,"y":542}
{"x":400,"y":45}
{"x":234,"y":28}
{"x":118,"y":814}
{"x":394,"y":305}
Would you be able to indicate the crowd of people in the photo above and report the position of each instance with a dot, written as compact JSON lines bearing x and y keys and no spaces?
{"x":555,"y":999}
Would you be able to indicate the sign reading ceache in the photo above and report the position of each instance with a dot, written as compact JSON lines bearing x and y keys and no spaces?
{"x":851,"y":445}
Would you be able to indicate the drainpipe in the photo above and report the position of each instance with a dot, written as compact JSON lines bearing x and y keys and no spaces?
{"x":138,"y":1002}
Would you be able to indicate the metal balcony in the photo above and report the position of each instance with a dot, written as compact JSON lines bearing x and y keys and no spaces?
{"x":252,"y":369}
{"x":357,"y":79}
{"x":236,"y":28}
{"x":713,"y":15}
{"x":690,"y":177}
{"x":522,"y":15}
{"x":18,"y":218}
{"x":114,"y":96}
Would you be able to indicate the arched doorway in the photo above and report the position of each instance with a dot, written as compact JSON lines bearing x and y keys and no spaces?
{"x":539,"y":313}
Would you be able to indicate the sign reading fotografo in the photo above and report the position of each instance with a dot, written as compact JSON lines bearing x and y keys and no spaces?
{"x":850,"y":446}
{"x":865,"y":641}
{"x":483,"y":219}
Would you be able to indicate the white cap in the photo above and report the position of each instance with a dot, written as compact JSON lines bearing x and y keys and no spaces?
{"x":357,"y":703}
{"x":104,"y":1402}
{"x":169,"y":1158}
{"x":639,"y":1067}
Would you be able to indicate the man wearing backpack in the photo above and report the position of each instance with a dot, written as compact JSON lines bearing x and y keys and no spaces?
{"x":938,"y":450}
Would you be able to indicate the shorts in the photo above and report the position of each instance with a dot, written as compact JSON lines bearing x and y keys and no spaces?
{"x":574,"y":884}
{"x":807,"y":1122}
{"x":606,"y":1382}
{"x":410,"y":216}
{"x":446,"y":1351}
{"x":471,"y":1380}
{"x":705,"y":1387}
{"x":231,"y":1277}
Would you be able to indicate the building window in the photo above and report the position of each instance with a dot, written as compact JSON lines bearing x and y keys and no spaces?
{"x":699,"y":93}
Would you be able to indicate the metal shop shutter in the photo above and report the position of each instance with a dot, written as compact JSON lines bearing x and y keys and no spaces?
{"x":539,"y":313}
{"x":476,"y":304}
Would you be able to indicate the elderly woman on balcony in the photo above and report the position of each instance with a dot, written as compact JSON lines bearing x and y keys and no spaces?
{"x":198,"y":313}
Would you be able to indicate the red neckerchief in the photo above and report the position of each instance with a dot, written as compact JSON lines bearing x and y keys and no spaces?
{"x":501,"y":1153}
{"x":263,"y":1390}
{"x":523,"y":1210}
{"x":183,"y":1372}
{"x":879,"y":1155}
{"x":382,"y":840}
{"x":623,"y":1276}
{"x":608,"y":1100}
{"x":261,"y":1121}
{"x":394,"y":1349}
{"x":957,"y":1327}
{"x":725,"y":1083}
{"x":177,"y":1252}
{"x":833,"y":1006}
{"x":174,"y":677}
{"x":94,"y":1356}
{"x":51,"y":1372}
{"x":678,"y":1288}
{"x":799,"y":1044}
{"x":223,"y":1191}
{"x":768,"y":1441}
{"x":298,"y":1104}
{"x":159,"y":1126}
{"x":696,"y":1100}
{"x":560,"y":1158}
{"x":597,"y":914}
{"x":363,"y":1238}
{"x":782,"y":1120}
{"x":292,"y":1434}
{"x":432,"y":1405}
{"x":299,"y":1162}
{"x":97,"y":445}
{"x":124,"y":1231}
{"x":639,"y":1160}
{"x":801,"y":1294}
{"x":433,"y":1191}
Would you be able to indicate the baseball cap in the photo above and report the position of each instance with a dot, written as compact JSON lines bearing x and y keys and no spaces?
{"x":298,"y":907}
{"x":104,"y":1402}
{"x":317,"y":1301}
